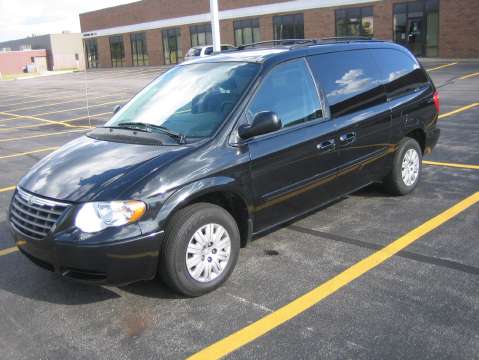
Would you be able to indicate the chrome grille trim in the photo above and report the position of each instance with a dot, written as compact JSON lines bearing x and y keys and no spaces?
{"x":38,"y":200}
{"x":34,"y":216}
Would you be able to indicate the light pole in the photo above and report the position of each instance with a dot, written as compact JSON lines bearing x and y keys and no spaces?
{"x":215,"y":25}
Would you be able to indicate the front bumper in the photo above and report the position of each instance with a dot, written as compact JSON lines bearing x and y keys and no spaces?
{"x":113,"y":263}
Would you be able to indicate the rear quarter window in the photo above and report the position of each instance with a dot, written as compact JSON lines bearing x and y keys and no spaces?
{"x":350,"y":79}
{"x":401,"y":73}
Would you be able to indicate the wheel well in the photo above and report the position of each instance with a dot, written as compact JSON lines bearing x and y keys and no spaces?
{"x":232,"y":203}
{"x":419,"y":136}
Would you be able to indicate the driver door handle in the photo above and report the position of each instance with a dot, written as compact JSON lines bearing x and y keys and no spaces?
{"x":328,"y":145}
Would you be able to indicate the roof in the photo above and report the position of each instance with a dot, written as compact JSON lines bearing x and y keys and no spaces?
{"x":284,"y":49}
{"x":250,"y":55}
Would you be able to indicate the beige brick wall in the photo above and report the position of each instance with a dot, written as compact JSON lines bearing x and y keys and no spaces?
{"x":458,"y":28}
{"x":155,"y":46}
{"x":104,"y":56}
{"x":127,"y":47}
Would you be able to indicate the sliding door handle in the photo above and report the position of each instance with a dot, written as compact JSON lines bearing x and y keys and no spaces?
{"x":328,"y":145}
{"x":347,"y":138}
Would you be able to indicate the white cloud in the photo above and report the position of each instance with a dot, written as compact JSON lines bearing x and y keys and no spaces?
{"x":21,"y":18}
{"x":351,"y":82}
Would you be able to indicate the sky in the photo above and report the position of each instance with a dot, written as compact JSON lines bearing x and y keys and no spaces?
{"x":22,"y":18}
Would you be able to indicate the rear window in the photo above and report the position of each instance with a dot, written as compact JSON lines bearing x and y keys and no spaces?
{"x":401,"y":73}
{"x":194,"y":52}
{"x":350,"y":79}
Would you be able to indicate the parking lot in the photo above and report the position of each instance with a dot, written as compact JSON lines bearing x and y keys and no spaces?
{"x":370,"y":276}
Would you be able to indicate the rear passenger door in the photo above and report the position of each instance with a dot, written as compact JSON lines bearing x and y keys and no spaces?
{"x":292,"y":168}
{"x":355,"y":93}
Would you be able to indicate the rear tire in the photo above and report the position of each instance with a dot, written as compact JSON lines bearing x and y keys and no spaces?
{"x":200,"y":249}
{"x":407,"y":168}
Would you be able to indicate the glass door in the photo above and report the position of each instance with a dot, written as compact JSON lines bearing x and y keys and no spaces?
{"x":416,"y":26}
{"x":172,"y":46}
{"x":415,"y":36}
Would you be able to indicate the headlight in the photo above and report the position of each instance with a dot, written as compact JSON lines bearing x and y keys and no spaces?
{"x":96,"y":216}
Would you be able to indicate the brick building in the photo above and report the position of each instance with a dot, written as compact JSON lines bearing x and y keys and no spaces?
{"x":16,"y":62}
{"x":156,"y":32}
{"x":63,"y":50}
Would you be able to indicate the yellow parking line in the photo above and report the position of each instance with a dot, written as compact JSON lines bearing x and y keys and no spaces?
{"x":306,"y":301}
{"x":461,"y":109}
{"x":454,"y":165}
{"x":38,"y":100}
{"x":42,"y":135}
{"x":442,"y":66}
{"x":78,"y":98}
{"x":48,"y":122}
{"x":83,"y":107}
{"x":55,"y":122}
{"x":87,"y":116}
{"x":469,"y":76}
{"x":7,"y":251}
{"x":8,"y":188}
{"x":29,"y":152}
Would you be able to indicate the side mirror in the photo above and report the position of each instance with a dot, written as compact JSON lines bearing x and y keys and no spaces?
{"x":116,"y":108}
{"x":264,"y":122}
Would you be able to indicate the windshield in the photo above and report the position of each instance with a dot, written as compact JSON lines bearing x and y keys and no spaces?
{"x":191,"y":100}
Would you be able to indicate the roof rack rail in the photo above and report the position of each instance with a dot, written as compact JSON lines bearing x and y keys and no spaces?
{"x":349,"y":38}
{"x":296,"y":43}
{"x":283,"y":42}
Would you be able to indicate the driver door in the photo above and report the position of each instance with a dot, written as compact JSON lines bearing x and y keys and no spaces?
{"x":292,"y":169}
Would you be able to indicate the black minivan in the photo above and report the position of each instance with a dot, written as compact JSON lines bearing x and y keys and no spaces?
{"x":218,"y":150}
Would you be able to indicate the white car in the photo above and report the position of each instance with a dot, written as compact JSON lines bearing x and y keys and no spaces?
{"x":202,"y":51}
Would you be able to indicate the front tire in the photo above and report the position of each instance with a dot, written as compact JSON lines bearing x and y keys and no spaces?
{"x":201,"y":249}
{"x":407,"y":168}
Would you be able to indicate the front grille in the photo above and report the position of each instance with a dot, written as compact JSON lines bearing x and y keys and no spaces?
{"x":34,"y":216}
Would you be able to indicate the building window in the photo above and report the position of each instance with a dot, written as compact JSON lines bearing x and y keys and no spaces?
{"x":117,"y":51}
{"x":288,"y":26}
{"x":139,"y":52}
{"x":91,"y":52}
{"x":200,"y":35}
{"x":355,"y":22}
{"x":416,"y":26}
{"x":246,"y":31}
{"x":172,"y":46}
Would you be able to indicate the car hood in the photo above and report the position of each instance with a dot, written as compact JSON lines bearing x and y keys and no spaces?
{"x":84,"y":168}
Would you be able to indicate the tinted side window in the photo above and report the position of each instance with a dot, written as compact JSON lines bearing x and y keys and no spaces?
{"x":350,"y":80}
{"x":290,"y":92}
{"x":401,"y":73}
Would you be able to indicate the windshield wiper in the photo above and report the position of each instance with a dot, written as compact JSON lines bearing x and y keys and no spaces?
{"x":132,"y":126}
{"x":149,"y":127}
{"x":179,"y":136}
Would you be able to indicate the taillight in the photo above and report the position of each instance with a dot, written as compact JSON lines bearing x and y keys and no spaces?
{"x":436,"y":101}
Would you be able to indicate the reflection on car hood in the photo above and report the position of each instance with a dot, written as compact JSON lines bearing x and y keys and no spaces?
{"x":85,"y":167}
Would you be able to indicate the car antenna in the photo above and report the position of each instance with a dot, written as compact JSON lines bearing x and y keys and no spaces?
{"x":85,"y":82}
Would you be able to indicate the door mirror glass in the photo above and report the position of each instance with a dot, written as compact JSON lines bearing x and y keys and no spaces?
{"x":264,"y":122}
{"x":116,"y":108}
